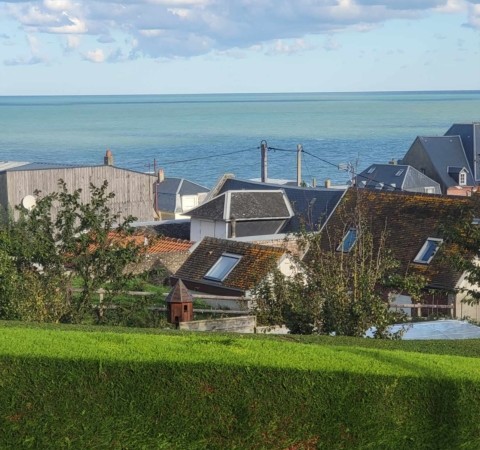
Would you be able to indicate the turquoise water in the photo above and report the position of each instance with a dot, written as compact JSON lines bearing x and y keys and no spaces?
{"x":176,"y":130}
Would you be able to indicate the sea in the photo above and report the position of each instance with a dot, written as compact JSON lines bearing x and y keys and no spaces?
{"x":201,"y":137}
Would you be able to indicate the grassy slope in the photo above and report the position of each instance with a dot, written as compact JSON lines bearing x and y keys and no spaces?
{"x":79,"y":388}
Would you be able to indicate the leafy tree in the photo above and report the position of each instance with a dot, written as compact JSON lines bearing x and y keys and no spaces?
{"x":43,"y":253}
{"x":337,"y":292}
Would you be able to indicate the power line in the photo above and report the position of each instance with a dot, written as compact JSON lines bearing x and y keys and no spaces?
{"x":217,"y":155}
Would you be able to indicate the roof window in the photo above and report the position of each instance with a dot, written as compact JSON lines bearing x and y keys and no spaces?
{"x":348,"y":241}
{"x":371,"y":170}
{"x":222,"y":268}
{"x":428,"y":250}
{"x":399,"y":172}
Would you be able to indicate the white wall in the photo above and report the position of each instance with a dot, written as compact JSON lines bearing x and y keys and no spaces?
{"x":200,"y":228}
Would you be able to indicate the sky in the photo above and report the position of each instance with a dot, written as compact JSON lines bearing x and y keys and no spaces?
{"x":70,"y":47}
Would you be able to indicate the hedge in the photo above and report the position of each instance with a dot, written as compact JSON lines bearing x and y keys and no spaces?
{"x":64,"y":387}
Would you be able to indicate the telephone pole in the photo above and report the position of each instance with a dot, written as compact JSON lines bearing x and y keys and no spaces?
{"x":264,"y":150}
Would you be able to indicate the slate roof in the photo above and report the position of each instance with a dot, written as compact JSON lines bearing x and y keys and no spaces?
{"x":245,"y":205}
{"x":442,"y":152}
{"x":409,"y":219}
{"x":391,"y":177}
{"x":169,"y":190}
{"x":179,"y":229}
{"x":311,"y":206}
{"x":469,"y":134}
{"x":255,"y":264}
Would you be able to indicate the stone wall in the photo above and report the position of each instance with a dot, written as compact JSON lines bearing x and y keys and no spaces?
{"x":240,"y":324}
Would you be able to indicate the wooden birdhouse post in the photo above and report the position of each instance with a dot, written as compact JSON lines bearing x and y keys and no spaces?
{"x":179,"y":304}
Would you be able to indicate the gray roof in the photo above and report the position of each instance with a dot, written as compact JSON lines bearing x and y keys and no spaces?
{"x":391,"y":177}
{"x":470,"y":136}
{"x":179,"y":186}
{"x":246,"y":205}
{"x":12,"y":166}
{"x":444,"y":152}
{"x":311,"y":206}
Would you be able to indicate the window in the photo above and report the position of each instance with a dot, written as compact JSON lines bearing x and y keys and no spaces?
{"x":399,"y":172}
{"x":462,"y":178}
{"x":476,"y":221}
{"x":348,"y":241}
{"x":427,"y":252}
{"x":429,"y":190}
{"x":371,"y":170}
{"x":222,"y":267}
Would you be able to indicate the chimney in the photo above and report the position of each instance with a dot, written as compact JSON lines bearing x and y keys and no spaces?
{"x":160,"y":175}
{"x":108,"y":158}
{"x":393,"y":162}
{"x":314,"y":182}
{"x":234,"y":227}
{"x":328,"y":183}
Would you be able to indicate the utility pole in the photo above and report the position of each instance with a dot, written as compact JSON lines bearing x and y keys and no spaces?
{"x":299,"y":164}
{"x":264,"y":150}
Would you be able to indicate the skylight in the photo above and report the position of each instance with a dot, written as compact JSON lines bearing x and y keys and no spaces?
{"x":222,"y":267}
{"x":399,"y":172}
{"x":371,"y":170}
{"x":428,"y":250}
{"x":348,"y":241}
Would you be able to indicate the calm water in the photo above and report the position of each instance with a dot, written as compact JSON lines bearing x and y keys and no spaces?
{"x":359,"y":128}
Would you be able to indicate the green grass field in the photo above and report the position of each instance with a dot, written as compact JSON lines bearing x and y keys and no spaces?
{"x":78,"y":387}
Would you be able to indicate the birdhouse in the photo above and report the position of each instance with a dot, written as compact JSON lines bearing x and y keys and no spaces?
{"x":179,"y":304}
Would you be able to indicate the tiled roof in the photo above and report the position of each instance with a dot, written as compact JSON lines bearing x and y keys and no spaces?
{"x":255,"y":263}
{"x":246,"y":205}
{"x":409,"y":219}
{"x":156,"y":245}
{"x":311,"y":206}
{"x":179,"y":294}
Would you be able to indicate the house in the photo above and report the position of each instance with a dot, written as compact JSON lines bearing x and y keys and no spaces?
{"x":414,"y":224}
{"x":133,"y":190}
{"x":241,"y":213}
{"x":469,"y":134}
{"x":311,"y":206}
{"x":392,"y":177}
{"x":225,"y":267}
{"x":176,"y":196}
{"x":451,"y":160}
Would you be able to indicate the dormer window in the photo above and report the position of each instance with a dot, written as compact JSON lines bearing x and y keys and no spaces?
{"x":428,"y":250}
{"x":222,"y":268}
{"x":462,"y":178}
{"x":348,"y":241}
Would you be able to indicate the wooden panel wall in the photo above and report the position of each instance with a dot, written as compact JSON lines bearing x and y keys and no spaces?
{"x":133,"y":190}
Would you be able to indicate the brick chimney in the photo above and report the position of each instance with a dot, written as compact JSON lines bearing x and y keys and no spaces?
{"x":108,"y":158}
{"x":160,"y":175}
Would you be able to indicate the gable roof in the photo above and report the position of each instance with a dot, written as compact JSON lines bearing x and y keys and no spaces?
{"x":180,"y":186}
{"x":444,"y":152}
{"x":246,"y":205}
{"x":469,"y":134}
{"x":311,"y":206}
{"x":409,"y":220}
{"x":391,"y":177}
{"x":254,"y":265}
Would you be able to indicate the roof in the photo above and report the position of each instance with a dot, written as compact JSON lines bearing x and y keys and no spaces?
{"x":390,"y":177}
{"x":246,"y":205}
{"x":179,"y":294}
{"x":409,"y":219}
{"x":444,"y":152}
{"x":311,"y":206}
{"x":179,"y":229}
{"x":181,"y":186}
{"x":469,"y":134}
{"x":155,"y":245}
{"x":16,"y":166}
{"x":255,"y":263}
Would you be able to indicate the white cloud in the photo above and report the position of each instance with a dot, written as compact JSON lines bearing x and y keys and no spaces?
{"x":96,"y":56}
{"x":183,"y":28}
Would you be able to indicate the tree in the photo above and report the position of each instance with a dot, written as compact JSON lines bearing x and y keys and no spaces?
{"x":84,"y":240}
{"x":340,"y":289}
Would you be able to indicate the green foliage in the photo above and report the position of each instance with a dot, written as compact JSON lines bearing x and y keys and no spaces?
{"x":61,"y":238}
{"x":73,"y":388}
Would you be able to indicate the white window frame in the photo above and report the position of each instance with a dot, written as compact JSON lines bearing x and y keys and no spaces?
{"x":341,"y":247}
{"x":429,"y":189}
{"x":222,"y":276}
{"x":462,"y":178}
{"x":420,"y":258}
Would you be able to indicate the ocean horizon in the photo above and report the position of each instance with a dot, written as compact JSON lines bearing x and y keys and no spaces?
{"x":203,"y":136}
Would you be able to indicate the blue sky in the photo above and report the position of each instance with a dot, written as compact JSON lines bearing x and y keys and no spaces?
{"x":56,"y":47}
